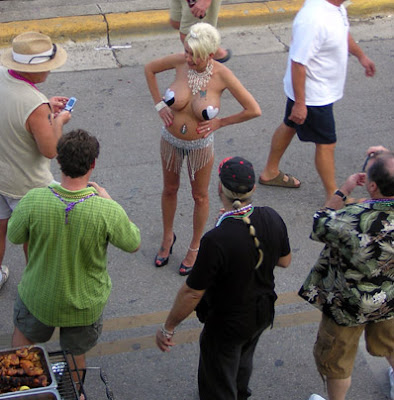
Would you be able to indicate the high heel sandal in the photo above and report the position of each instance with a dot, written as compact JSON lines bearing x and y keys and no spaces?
{"x":162,"y":261}
{"x":183,"y":269}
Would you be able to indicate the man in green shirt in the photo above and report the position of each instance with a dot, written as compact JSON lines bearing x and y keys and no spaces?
{"x":68,"y":228}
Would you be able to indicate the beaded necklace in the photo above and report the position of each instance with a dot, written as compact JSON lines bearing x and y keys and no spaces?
{"x":72,"y":204}
{"x":199,"y":80}
{"x":383,"y":202}
{"x":238,"y":213}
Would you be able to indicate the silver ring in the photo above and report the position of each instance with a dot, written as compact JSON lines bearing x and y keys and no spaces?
{"x":209,"y":129}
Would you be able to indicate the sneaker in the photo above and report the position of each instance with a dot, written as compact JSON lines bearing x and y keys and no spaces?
{"x":4,"y":274}
{"x":316,"y":397}
{"x":391,"y":377}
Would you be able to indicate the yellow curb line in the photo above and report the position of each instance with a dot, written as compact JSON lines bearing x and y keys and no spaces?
{"x":192,"y":335}
{"x":146,"y":22}
{"x":59,"y":29}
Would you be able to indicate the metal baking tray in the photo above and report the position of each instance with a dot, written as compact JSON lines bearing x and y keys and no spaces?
{"x":41,"y":394}
{"x":46,"y":365}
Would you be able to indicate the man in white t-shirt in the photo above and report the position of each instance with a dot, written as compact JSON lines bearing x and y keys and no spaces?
{"x":31,"y":124}
{"x":314,"y":80}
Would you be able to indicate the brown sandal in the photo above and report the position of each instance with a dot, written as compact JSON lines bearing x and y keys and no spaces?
{"x":278,"y":181}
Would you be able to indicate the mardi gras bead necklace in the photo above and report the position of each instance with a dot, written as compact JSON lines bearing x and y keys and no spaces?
{"x":71,"y":205}
{"x":238,"y":213}
{"x":383,"y":202}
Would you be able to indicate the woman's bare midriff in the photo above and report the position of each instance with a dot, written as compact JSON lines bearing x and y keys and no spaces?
{"x":187,"y":108}
{"x":184,"y":126}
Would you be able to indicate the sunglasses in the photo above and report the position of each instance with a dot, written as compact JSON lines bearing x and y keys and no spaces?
{"x":370,"y":156}
{"x":49,"y":57}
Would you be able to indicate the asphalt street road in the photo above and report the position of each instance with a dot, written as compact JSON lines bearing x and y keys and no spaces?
{"x":115,"y":105}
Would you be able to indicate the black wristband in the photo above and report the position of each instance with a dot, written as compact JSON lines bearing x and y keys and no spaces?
{"x":341,"y":195}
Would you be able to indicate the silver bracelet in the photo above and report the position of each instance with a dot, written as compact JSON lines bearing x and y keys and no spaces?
{"x":166,"y":333}
{"x":159,"y":106}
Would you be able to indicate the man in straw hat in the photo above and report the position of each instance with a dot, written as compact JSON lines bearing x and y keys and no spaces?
{"x":233,"y":284}
{"x":31,"y":125}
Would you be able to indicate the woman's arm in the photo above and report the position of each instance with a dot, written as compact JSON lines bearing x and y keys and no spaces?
{"x":155,"y":67}
{"x":251,"y":109}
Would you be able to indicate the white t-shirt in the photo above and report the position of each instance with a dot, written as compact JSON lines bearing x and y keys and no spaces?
{"x":320,"y":43}
{"x":22,"y":166}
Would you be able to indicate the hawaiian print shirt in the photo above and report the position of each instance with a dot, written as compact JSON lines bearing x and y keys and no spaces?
{"x":353,"y":279}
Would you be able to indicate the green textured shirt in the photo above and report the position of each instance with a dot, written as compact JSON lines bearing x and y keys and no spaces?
{"x":66,"y":282}
{"x":353,"y":279}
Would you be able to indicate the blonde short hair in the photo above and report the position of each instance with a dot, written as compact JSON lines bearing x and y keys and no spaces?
{"x":203,"y":39}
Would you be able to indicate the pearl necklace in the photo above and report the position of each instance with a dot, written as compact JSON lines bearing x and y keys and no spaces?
{"x":239,"y":213}
{"x":198,"y":80}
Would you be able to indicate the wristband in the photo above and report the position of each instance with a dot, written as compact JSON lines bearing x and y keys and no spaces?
{"x":341,"y":195}
{"x":159,"y":106}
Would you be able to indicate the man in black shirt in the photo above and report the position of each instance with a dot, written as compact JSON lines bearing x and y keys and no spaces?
{"x":232,"y":286}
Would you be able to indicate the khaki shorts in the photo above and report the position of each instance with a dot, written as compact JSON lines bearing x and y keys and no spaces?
{"x":76,"y":339}
{"x":336,"y":346}
{"x":180,"y":12}
{"x":7,"y":206}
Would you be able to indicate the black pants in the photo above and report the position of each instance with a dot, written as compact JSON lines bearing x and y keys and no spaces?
{"x":225,"y":367}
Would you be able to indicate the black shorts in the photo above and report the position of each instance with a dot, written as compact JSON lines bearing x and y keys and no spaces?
{"x":319,"y":126}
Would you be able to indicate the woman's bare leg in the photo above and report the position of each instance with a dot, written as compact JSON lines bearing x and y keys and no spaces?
{"x":201,"y":209}
{"x":168,"y":208}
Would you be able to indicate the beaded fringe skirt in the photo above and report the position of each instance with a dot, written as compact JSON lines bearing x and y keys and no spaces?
{"x":197,"y":152}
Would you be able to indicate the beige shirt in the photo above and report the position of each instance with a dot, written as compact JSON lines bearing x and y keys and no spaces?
{"x":22,"y":166}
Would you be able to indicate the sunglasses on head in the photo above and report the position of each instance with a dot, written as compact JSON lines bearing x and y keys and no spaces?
{"x":49,"y":57}
{"x":370,"y":156}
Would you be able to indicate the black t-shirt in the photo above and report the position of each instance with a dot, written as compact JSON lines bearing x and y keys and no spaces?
{"x":225,"y":268}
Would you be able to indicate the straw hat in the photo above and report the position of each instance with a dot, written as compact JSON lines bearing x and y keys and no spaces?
{"x":33,"y":52}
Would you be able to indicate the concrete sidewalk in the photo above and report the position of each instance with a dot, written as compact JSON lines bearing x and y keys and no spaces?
{"x":87,"y":20}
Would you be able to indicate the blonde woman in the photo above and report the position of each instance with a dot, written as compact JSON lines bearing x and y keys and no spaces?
{"x":190,"y":113}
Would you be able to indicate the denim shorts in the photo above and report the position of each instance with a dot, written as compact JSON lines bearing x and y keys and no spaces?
{"x":319,"y":126}
{"x":336,"y":345}
{"x":77,"y":340}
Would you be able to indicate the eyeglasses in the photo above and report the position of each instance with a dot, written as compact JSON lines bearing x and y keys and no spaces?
{"x":369,"y":157}
{"x":49,"y":57}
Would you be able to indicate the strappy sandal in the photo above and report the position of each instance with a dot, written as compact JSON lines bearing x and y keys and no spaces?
{"x":162,"y":261}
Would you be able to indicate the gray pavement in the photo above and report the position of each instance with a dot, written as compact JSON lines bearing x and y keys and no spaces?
{"x":87,"y":20}
{"x":114,"y":104}
{"x":19,"y":10}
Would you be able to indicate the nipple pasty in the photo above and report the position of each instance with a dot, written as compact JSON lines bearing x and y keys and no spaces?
{"x":169,"y":97}
{"x":209,"y":113}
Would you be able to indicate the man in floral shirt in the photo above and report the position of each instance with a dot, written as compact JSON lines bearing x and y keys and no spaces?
{"x":352,"y":283}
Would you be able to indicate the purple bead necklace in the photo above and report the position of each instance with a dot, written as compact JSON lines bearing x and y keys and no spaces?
{"x":71,"y":205}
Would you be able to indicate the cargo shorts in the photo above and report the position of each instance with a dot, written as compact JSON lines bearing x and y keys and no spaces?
{"x":77,"y":340}
{"x":180,"y":11}
{"x":336,"y":345}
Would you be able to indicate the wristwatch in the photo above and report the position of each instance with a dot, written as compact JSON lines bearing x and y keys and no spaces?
{"x":341,"y":195}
